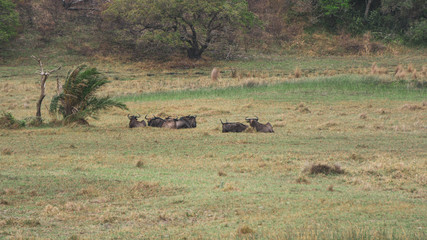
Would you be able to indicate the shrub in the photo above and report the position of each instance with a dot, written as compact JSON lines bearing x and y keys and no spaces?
{"x":417,"y":33}
{"x":7,"y":121}
{"x":8,"y":20}
{"x":78,"y":102}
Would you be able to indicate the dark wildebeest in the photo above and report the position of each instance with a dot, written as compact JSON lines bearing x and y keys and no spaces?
{"x":170,"y":123}
{"x":133,"y":123}
{"x":155,"y":121}
{"x":186,"y":122}
{"x":233,"y":126}
{"x":259,"y":127}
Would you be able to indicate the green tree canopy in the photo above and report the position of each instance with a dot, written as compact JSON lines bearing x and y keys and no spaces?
{"x":9,"y":20}
{"x":192,"y":24}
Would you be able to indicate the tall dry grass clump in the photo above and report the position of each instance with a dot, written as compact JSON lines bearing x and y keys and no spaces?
{"x":377,"y":70}
{"x":215,"y":74}
{"x":400,"y":72}
{"x":297,"y":72}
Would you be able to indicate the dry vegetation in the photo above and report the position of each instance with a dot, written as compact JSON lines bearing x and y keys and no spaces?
{"x":331,"y":162}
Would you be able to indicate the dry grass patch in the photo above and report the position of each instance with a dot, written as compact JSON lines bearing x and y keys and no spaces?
{"x":244,"y":230}
{"x":302,"y":180}
{"x":147,"y":189}
{"x":412,"y":107}
{"x":7,"y":151}
{"x":229,"y":187}
{"x":327,"y":125}
{"x":50,"y":210}
{"x":73,"y":206}
{"x":302,"y":108}
{"x":89,"y":191}
{"x":9,"y":191}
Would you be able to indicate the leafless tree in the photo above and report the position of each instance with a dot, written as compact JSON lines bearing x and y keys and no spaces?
{"x":44,"y":75}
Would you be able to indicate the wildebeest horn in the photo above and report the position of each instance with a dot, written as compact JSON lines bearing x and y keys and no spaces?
{"x":146,"y":116}
{"x":246,"y":118}
{"x":128,"y":116}
{"x":221,"y":121}
{"x":139,"y":115}
{"x":256,"y":118}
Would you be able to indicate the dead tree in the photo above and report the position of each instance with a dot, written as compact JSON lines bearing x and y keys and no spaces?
{"x":44,"y":76}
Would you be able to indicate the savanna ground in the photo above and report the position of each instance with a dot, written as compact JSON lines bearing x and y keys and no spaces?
{"x":108,"y":181}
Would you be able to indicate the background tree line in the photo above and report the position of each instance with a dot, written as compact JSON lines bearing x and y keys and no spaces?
{"x":164,"y":27}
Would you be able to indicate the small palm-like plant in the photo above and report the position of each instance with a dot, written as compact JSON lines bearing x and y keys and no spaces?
{"x":77,"y":101}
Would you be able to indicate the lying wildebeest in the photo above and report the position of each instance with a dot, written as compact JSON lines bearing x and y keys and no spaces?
{"x":169,"y":123}
{"x":133,"y":123}
{"x":155,"y":121}
{"x":259,"y":127}
{"x":233,"y":126}
{"x":186,"y":122}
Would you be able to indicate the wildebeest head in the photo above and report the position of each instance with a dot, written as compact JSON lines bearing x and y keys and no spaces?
{"x":133,"y":121}
{"x":259,"y":127}
{"x":155,"y":121}
{"x":169,"y":122}
{"x":186,"y":122}
{"x":233,"y":126}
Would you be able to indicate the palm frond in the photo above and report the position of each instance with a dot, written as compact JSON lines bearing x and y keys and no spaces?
{"x":78,"y":100}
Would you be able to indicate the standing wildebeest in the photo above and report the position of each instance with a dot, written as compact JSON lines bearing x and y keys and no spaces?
{"x":186,"y":122}
{"x":133,"y":123}
{"x":233,"y":126}
{"x":155,"y":121}
{"x":259,"y":127}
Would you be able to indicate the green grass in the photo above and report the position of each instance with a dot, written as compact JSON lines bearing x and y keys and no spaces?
{"x":85,"y":182}
{"x":346,"y":87}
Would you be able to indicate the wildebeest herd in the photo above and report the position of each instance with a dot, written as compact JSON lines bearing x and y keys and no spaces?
{"x":169,"y":122}
{"x":190,"y":122}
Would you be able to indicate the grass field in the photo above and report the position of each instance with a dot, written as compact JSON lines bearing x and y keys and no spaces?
{"x":108,"y":181}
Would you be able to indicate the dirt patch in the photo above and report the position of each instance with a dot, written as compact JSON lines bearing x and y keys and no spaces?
{"x":245,"y":230}
{"x":324,"y":169}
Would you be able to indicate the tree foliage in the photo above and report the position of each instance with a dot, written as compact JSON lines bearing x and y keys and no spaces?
{"x":78,"y":101}
{"x":382,"y":17}
{"x":9,"y":20}
{"x":192,"y":25}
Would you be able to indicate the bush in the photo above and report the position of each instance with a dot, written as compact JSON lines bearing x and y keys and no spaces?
{"x":8,"y":20}
{"x":417,"y":33}
{"x":78,"y":102}
{"x":7,"y":121}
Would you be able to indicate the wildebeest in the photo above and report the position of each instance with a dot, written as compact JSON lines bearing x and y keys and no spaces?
{"x":133,"y":123}
{"x":155,"y":121}
{"x":169,"y":123}
{"x":233,"y":126}
{"x":186,"y":122}
{"x":259,"y":127}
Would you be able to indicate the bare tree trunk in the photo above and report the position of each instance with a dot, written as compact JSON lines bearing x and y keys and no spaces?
{"x":368,"y":6}
{"x":44,"y":75}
